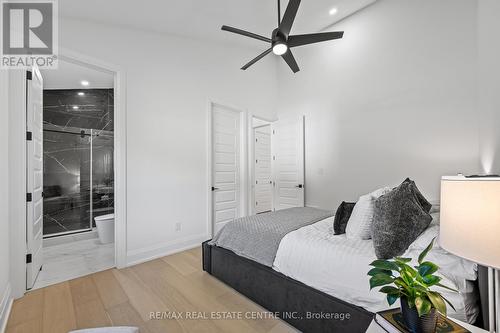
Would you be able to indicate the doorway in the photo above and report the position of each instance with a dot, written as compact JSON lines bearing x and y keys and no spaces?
{"x":74,"y":148}
{"x":277,"y":167}
{"x":254,"y":169}
{"x":20,"y":252}
{"x":262,"y":172}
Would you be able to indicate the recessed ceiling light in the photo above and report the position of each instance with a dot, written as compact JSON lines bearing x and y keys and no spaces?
{"x":333,"y":11}
{"x":85,"y":83}
{"x":75,"y":107}
{"x":81,"y":93}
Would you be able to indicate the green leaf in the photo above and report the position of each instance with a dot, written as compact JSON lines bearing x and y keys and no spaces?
{"x":407,"y":268}
{"x":422,"y":255}
{"x":446,"y":287}
{"x":423,"y":306}
{"x":411,"y":302}
{"x":427,"y":268}
{"x":404,"y":289}
{"x":403,"y":260}
{"x":407,"y":277}
{"x":389,"y":290}
{"x":401,"y":283}
{"x":421,"y":288}
{"x":392,"y":298}
{"x":385,"y":264}
{"x":375,"y":271}
{"x":380,"y":280}
{"x":437,"y":302}
{"x":431,"y":280}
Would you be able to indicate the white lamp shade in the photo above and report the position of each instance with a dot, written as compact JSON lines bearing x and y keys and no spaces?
{"x":470,"y":218}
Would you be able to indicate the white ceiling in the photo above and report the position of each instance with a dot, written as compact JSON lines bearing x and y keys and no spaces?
{"x":204,"y":18}
{"x":69,"y":76}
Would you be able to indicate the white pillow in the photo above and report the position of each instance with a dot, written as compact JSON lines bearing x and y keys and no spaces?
{"x":360,"y":222}
{"x":359,"y":225}
{"x":451,"y":266}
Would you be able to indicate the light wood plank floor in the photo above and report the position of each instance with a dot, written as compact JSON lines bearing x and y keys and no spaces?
{"x":126,"y":297}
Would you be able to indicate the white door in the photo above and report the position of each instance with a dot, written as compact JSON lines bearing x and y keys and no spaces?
{"x":226,"y":178}
{"x":288,"y":158}
{"x":263,"y":187}
{"x":34,"y":158}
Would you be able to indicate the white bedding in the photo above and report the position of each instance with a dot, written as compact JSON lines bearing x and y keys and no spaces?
{"x":337,"y":266}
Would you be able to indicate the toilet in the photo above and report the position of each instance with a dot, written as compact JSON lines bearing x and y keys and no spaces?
{"x":105,"y":228}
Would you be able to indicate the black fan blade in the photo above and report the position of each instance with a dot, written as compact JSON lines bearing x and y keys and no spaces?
{"x":299,"y":40}
{"x":289,"y":17}
{"x":290,"y":60}
{"x":246,"y":33}
{"x":260,"y":56}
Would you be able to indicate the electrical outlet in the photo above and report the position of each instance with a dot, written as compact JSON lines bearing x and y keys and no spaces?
{"x":178,"y":226}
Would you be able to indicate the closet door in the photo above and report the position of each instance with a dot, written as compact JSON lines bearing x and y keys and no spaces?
{"x":288,"y":161}
{"x":225,"y":166}
{"x":263,"y":186}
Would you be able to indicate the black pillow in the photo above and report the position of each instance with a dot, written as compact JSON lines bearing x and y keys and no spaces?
{"x":342,"y":217}
{"x":399,"y":219}
{"x":426,"y":205}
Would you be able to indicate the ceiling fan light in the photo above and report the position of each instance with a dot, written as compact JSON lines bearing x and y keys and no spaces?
{"x":280,"y":49}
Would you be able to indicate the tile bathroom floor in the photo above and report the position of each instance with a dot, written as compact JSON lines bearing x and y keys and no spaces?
{"x":64,"y":262}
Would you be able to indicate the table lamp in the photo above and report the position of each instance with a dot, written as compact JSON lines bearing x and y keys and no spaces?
{"x":470,"y":228}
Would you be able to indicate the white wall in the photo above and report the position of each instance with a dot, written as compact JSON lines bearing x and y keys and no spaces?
{"x":395,"y":98}
{"x":4,"y":199}
{"x":169,"y":82}
{"x":489,"y":83}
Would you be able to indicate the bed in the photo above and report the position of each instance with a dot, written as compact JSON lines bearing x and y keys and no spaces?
{"x":314,"y":293}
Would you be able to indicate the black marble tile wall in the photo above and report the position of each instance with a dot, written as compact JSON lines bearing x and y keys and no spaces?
{"x":78,"y":152}
{"x":69,"y":108}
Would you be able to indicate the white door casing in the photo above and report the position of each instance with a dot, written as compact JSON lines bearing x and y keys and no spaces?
{"x":263,"y":186}
{"x":226,"y":166}
{"x":18,"y":166}
{"x":34,"y":176}
{"x":288,"y":162}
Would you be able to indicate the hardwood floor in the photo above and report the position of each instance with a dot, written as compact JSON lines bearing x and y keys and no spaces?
{"x":175,"y":284}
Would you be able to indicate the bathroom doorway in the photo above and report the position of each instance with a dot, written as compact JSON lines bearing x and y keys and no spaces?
{"x":78,"y":173}
{"x":262,"y":189}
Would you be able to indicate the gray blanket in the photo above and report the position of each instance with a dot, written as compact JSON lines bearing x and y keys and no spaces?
{"x":258,"y":237}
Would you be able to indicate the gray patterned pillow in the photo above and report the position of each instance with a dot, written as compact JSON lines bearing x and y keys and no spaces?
{"x":426,"y":205}
{"x":399,"y":219}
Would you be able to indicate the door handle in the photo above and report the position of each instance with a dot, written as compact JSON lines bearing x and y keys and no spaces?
{"x":215,"y":189}
{"x":300,"y":186}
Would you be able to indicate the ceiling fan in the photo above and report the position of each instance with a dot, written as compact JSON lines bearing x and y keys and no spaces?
{"x":281,"y":40}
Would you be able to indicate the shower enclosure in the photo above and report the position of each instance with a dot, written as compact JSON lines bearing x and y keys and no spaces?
{"x":78,"y":179}
{"x":78,"y":160}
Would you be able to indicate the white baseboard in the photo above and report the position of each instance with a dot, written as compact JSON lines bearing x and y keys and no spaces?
{"x":5,"y":306}
{"x":161,"y":250}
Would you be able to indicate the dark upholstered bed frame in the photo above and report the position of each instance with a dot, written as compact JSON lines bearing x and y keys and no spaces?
{"x":305,"y":308}
{"x":277,"y":293}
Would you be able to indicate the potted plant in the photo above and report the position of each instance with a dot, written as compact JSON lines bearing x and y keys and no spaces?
{"x":419,"y":304}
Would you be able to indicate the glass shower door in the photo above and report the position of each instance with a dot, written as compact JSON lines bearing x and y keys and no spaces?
{"x":103,"y":194}
{"x":67,"y":182}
